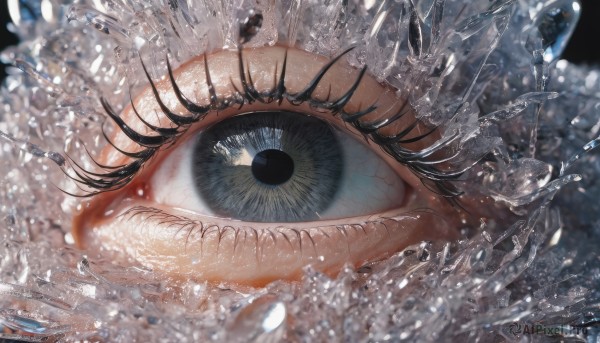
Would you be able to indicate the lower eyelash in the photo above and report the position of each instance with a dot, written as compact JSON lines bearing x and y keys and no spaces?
{"x":438,"y":181}
{"x":188,"y":228}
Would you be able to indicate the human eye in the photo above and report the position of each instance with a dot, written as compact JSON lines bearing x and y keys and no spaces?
{"x":490,"y":112}
{"x":246,"y":166}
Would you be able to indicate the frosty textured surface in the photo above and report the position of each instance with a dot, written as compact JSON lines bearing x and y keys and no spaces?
{"x":486,"y":72}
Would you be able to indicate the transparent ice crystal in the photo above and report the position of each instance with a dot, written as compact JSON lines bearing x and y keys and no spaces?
{"x":524,"y":123}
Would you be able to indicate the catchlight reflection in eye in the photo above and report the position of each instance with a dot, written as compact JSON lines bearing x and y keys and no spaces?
{"x":252,"y":191}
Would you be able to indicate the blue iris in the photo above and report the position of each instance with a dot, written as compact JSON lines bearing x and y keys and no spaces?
{"x":268,"y":167}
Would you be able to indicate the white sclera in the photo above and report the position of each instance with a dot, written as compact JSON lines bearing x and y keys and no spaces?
{"x":368,"y":186}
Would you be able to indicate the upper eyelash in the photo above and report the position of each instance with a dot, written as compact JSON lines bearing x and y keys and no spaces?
{"x":438,"y":181}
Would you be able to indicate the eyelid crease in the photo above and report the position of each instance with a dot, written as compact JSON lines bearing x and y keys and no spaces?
{"x":367,"y":121}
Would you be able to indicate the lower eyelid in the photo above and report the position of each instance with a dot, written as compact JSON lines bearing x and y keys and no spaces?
{"x":207,"y":249}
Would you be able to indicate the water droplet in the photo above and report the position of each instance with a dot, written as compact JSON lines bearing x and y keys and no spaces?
{"x":260,"y":320}
{"x":553,"y":26}
{"x":101,"y":22}
{"x":48,"y":11}
{"x":69,"y":238}
{"x":83,"y":266}
{"x":22,"y":11}
{"x":250,"y":26}
{"x":274,"y":317}
{"x":424,"y":254}
{"x":487,"y":236}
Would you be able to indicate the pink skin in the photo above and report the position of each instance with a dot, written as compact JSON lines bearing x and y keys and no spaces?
{"x":183,"y":244}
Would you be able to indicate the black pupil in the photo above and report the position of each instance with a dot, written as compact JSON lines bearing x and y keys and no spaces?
{"x":272,"y":167}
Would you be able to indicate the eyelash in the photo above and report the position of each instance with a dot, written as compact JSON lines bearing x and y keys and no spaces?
{"x":438,"y":181}
{"x":171,"y":220}
{"x":190,"y":227}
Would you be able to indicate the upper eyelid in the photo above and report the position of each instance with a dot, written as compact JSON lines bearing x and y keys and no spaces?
{"x":151,"y":144}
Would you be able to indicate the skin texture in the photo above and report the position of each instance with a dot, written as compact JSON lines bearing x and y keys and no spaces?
{"x":184,"y":244}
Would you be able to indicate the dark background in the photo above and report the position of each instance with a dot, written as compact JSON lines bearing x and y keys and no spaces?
{"x":584,"y":46}
{"x":6,"y":38}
